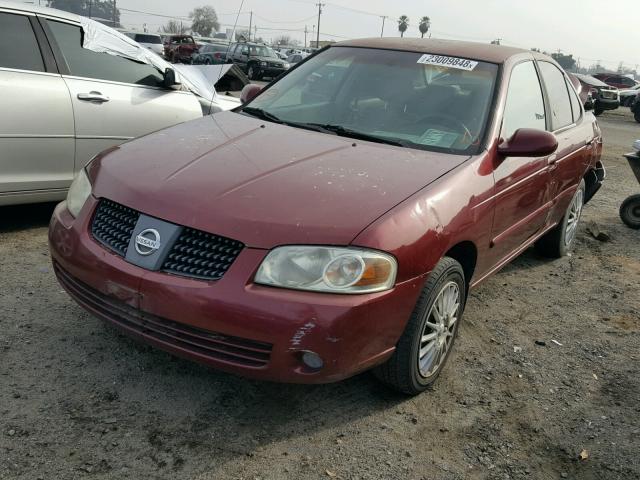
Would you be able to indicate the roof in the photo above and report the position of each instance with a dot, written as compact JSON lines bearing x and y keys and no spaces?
{"x":477,"y":51}
{"x":25,"y":7}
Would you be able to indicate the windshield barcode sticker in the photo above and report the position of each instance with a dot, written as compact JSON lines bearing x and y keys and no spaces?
{"x":451,"y":62}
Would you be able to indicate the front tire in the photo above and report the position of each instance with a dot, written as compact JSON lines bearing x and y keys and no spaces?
{"x":558,"y":242}
{"x":636,"y":114}
{"x":252,"y":73}
{"x":428,"y":338}
{"x":630,"y":212}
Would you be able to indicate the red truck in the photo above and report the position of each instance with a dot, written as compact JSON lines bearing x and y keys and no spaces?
{"x":179,"y":48}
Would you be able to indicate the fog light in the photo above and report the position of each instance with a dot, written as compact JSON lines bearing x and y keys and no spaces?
{"x":312,"y":360}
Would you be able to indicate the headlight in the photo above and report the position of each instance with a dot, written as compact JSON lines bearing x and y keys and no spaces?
{"x":78,"y":193}
{"x":263,"y":64}
{"x":328,"y":269}
{"x":286,"y":66}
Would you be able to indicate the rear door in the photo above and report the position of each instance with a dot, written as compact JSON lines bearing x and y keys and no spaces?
{"x":36,"y":120}
{"x":114,"y":99}
{"x":575,"y":138}
{"x":522,"y":184}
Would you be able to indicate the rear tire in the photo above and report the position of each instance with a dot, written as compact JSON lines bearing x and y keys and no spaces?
{"x":558,"y":242}
{"x":427,"y":340}
{"x":597,"y":112}
{"x":630,"y":212}
{"x":636,"y":114}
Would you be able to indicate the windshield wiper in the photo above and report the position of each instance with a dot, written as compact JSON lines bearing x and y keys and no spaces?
{"x":347,"y":132}
{"x":318,"y":127}
{"x":262,"y":114}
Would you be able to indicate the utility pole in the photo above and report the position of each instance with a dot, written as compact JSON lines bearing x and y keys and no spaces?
{"x":90,"y":4}
{"x":319,"y":5}
{"x":114,"y":13}
{"x":250,"y":25}
{"x":255,"y":32}
{"x":384,"y":17}
{"x":306,"y":30}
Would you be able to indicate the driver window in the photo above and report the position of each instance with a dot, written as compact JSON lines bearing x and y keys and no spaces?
{"x":525,"y":104}
{"x":87,"y":63}
{"x":244,"y":51}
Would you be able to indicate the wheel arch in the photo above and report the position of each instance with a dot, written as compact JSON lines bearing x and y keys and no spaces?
{"x":466,"y":254}
{"x":593,"y":180}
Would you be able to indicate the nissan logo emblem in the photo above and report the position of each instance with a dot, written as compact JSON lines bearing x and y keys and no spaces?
{"x":147,"y":241}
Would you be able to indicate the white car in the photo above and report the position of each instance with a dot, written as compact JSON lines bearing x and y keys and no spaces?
{"x":71,"y":88}
{"x":151,"y":41}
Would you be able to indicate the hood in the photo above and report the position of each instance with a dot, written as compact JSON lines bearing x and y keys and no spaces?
{"x":279,"y":61}
{"x":261,"y":183}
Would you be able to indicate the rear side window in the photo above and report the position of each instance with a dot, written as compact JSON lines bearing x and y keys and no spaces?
{"x":86,"y":63}
{"x":575,"y":102}
{"x":525,"y":104}
{"x":554,"y":80}
{"x":142,"y":38}
{"x":18,"y":46}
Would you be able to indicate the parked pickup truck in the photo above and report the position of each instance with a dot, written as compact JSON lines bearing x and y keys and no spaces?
{"x":179,"y":48}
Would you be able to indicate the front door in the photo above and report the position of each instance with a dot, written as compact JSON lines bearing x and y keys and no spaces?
{"x":521,"y":184}
{"x":114,"y":98}
{"x":36,"y":120}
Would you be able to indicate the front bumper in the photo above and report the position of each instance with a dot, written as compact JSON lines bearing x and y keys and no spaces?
{"x":272,"y":72}
{"x":607,"y":103}
{"x":230,"y":324}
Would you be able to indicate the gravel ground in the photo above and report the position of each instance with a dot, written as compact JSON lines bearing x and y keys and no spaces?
{"x":78,"y":400}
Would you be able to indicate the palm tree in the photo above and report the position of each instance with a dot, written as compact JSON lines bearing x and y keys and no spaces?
{"x":425,"y":23}
{"x":403,"y":24}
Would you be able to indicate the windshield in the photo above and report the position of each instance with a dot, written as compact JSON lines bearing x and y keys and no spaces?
{"x":261,"y":51}
{"x":141,"y":38}
{"x":403,"y":97}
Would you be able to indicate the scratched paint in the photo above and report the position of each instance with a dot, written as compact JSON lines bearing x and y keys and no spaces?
{"x":296,"y":340}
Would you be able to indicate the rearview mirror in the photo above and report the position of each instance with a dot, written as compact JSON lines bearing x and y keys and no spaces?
{"x":529,"y":142}
{"x":249,"y":92}
{"x":169,"y":78}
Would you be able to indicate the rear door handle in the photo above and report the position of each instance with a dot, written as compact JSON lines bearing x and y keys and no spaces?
{"x":93,"y":97}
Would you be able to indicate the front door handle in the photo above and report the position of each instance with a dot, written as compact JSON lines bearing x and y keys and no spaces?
{"x":93,"y":97}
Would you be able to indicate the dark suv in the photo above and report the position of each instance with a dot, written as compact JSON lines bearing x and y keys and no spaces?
{"x":179,"y":48}
{"x":257,"y":60}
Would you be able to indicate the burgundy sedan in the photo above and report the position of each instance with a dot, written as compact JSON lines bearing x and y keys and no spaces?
{"x":335,"y":222}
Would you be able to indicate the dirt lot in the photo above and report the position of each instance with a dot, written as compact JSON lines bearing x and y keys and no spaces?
{"x":78,"y":400}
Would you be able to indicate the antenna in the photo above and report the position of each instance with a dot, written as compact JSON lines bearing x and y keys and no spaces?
{"x":233,"y":34}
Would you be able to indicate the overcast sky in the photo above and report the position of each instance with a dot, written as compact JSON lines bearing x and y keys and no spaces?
{"x":590,"y":29}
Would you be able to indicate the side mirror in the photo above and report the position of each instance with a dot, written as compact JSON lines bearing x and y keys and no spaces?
{"x":169,"y":78}
{"x":249,"y":92}
{"x":529,"y":142}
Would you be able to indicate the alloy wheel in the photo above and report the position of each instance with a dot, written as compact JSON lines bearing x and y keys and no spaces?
{"x":575,"y":210}
{"x":439,"y":329}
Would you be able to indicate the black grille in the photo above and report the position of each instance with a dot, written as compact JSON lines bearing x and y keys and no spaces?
{"x":113,"y":225}
{"x":195,"y":253}
{"x":201,"y":255}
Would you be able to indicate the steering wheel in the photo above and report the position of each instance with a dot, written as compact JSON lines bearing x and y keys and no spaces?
{"x":448,"y":120}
